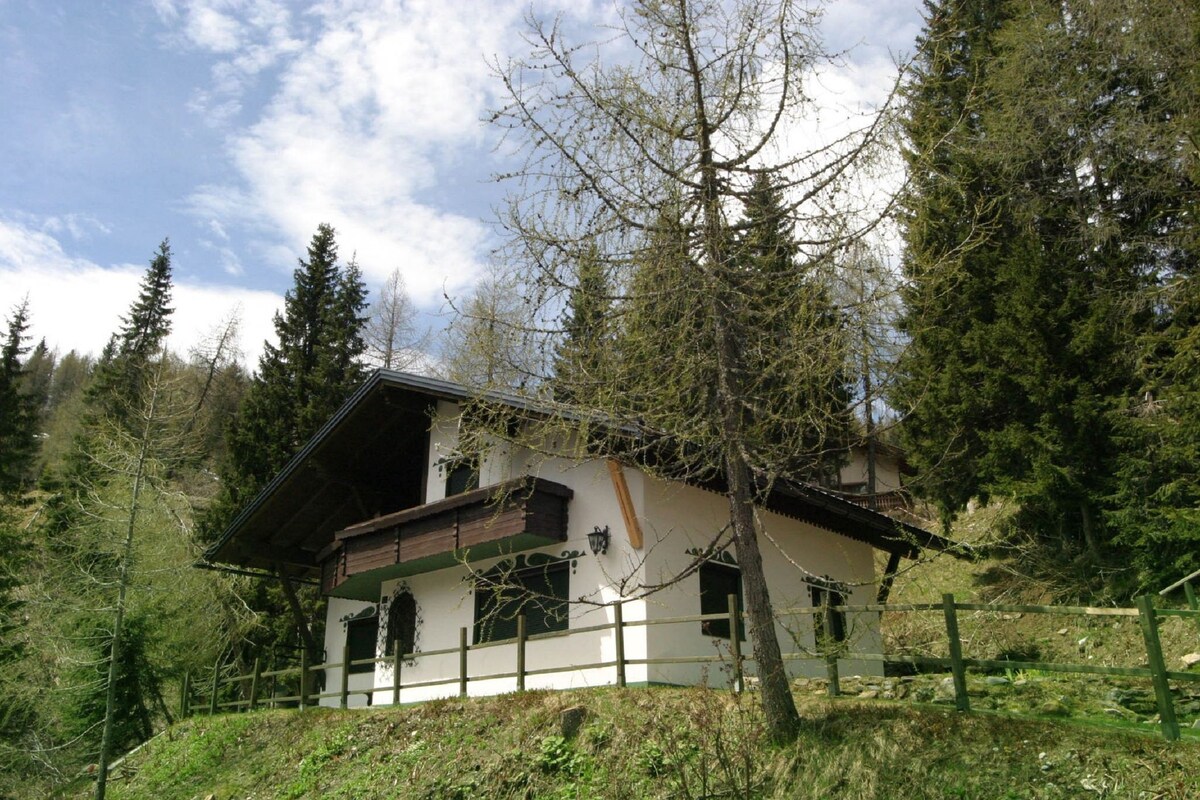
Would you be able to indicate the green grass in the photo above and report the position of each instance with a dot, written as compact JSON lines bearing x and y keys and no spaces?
{"x":650,"y":743}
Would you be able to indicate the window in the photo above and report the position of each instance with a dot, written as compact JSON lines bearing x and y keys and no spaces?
{"x":361,"y":636}
{"x":837,"y":597}
{"x":717,"y":582}
{"x":462,"y":477}
{"x":401,"y":624}
{"x":540,"y":593}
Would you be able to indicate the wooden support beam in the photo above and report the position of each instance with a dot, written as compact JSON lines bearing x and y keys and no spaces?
{"x":889,"y":575}
{"x":312,"y":649}
{"x":632,"y":528}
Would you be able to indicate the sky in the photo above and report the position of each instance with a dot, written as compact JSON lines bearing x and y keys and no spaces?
{"x":235,"y":127}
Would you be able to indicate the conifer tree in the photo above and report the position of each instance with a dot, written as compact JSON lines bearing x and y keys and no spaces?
{"x":302,"y":379}
{"x":391,"y":334}
{"x":1046,"y":209}
{"x":956,"y":229}
{"x":582,"y":354}
{"x":18,"y":407}
{"x":130,"y":351}
{"x":799,"y":395}
{"x":485,"y":344}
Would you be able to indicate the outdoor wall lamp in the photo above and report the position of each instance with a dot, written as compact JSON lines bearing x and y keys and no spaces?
{"x":598,"y":540}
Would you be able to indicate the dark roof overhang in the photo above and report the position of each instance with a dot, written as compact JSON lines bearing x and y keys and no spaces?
{"x":369,"y":459}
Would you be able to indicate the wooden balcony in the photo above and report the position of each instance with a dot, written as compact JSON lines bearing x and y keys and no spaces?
{"x":517,"y":515}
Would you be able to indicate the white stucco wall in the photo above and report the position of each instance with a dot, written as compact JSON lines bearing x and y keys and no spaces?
{"x":445,"y":603}
{"x":887,"y":470}
{"x":684,"y":517}
{"x":674,"y":518}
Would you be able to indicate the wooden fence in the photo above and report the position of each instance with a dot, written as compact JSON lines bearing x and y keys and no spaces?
{"x":195,"y":697}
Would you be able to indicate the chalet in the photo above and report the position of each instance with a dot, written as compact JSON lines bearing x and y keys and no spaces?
{"x":397,"y":529}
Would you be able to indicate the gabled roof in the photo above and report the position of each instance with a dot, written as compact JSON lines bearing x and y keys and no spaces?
{"x":369,"y":459}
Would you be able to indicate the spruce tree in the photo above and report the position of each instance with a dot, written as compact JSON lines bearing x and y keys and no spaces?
{"x":582,"y":354}
{"x":18,"y":407}
{"x":795,"y":395}
{"x":115,"y":386}
{"x":956,"y":229}
{"x":1045,"y":209}
{"x":302,"y":379}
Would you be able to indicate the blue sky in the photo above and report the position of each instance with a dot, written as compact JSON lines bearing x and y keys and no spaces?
{"x":234,"y":127}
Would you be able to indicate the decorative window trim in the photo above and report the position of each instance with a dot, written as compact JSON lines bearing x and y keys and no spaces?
{"x":386,"y":606}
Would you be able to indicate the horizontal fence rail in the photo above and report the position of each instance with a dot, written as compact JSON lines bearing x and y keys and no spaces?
{"x":244,"y":692}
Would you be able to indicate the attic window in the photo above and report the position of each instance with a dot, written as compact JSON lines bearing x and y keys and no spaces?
{"x":462,"y":477}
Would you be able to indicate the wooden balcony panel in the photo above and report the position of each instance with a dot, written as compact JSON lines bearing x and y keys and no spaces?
{"x":521,"y":515}
{"x":416,"y":543}
{"x":478,"y":526}
{"x":370,"y":552}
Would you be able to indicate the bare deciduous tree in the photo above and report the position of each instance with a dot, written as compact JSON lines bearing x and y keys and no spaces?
{"x":391,"y":334}
{"x":641,"y":153}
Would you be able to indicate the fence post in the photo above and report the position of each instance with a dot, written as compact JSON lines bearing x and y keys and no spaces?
{"x":961,"y":701}
{"x":396,"y":662}
{"x":619,"y":641}
{"x":184,"y":691}
{"x":735,"y":641}
{"x":212,"y":701}
{"x":1158,"y":669}
{"x":303,"y":678}
{"x":831,"y":655}
{"x":1190,"y":593}
{"x":520,"y":652}
{"x":462,"y":662}
{"x":273,"y":690}
{"x":254,"y":679}
{"x":345,"y":693}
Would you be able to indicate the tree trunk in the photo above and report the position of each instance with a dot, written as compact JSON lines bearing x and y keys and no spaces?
{"x":315,"y":651}
{"x":779,"y":707}
{"x":114,"y":658}
{"x":1089,"y":530}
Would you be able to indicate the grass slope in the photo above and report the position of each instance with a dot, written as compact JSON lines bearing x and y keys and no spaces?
{"x":649,"y":743}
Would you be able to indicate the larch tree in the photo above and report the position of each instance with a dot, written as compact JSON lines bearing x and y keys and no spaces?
{"x":486,"y":344}
{"x":392,"y":336}
{"x":647,"y":146}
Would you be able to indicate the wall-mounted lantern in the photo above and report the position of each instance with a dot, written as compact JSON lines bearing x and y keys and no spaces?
{"x":598,"y":540}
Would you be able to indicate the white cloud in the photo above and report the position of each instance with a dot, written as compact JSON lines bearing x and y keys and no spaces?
{"x":381,"y":102}
{"x":76,"y":304}
{"x":373,"y":122}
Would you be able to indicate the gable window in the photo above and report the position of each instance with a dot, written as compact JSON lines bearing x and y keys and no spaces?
{"x":717,"y":582}
{"x":401,"y":625}
{"x":836,"y":596}
{"x":541,"y":593}
{"x":362,"y":634}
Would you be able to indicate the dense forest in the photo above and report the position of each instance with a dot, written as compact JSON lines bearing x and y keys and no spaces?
{"x":1036,"y":339}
